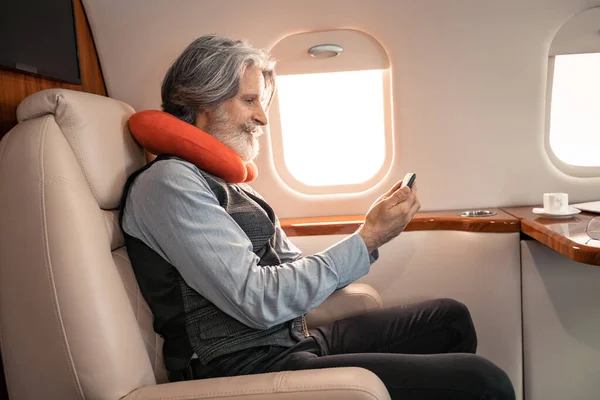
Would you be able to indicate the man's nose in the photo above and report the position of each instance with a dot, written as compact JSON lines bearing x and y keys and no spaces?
{"x":260,"y":117}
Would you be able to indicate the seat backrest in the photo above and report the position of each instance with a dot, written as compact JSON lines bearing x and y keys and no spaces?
{"x":73,"y":323}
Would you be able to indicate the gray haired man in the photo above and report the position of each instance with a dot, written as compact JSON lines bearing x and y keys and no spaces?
{"x":229,"y":291}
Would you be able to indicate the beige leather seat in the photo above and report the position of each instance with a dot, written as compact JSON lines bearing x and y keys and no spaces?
{"x":73,"y":323}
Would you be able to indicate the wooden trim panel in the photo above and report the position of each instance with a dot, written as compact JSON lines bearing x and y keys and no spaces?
{"x":15,"y":86}
{"x":566,"y":236}
{"x":312,"y":226}
{"x":423,"y":221}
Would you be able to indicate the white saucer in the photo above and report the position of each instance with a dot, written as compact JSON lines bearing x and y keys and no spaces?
{"x":571,"y":211}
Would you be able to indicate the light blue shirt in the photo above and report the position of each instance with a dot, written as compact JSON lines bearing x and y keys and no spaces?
{"x":171,"y":208}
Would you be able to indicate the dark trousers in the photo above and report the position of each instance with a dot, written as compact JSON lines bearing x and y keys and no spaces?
{"x":419,"y":351}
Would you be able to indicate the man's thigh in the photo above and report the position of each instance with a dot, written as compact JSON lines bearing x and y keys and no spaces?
{"x":429,"y":327}
{"x":418,"y":376}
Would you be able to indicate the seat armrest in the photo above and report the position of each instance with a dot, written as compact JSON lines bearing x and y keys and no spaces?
{"x":348,"y":383}
{"x":353,"y":299}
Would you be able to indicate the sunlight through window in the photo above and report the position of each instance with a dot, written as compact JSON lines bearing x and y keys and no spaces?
{"x":332,"y":125}
{"x":575,"y":109}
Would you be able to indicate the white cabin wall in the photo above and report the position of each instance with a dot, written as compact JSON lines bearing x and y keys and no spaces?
{"x":482,"y":270}
{"x":561,"y":330}
{"x":469,"y":82}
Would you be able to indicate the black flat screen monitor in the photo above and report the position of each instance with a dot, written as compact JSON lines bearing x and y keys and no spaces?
{"x":39,"y":37}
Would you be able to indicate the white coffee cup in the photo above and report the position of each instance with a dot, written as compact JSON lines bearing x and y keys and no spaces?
{"x":556,"y":203}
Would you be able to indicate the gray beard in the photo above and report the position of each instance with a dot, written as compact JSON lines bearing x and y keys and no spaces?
{"x":237,"y":138}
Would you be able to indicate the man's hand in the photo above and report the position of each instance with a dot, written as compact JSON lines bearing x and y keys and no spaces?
{"x":389,"y":215}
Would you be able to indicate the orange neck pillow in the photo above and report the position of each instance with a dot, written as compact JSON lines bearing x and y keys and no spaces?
{"x":162,"y":133}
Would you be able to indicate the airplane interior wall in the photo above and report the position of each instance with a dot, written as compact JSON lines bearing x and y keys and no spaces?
{"x":469,"y":87}
{"x":482,"y":270}
{"x":560,"y":326}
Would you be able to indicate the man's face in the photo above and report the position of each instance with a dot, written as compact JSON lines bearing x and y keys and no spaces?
{"x":237,"y":122}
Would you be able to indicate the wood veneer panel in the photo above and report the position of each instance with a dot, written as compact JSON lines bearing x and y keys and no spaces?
{"x":423,"y":221}
{"x":564,"y":235}
{"x":15,"y":86}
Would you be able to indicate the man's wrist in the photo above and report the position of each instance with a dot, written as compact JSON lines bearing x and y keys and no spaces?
{"x":370,"y":243}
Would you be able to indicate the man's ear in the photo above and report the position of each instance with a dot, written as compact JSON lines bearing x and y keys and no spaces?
{"x":202,"y":119}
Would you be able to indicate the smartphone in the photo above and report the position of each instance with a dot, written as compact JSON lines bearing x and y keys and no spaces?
{"x":408,"y":180}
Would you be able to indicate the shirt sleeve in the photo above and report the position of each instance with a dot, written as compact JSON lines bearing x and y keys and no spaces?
{"x":285,"y":249}
{"x":172,"y":209}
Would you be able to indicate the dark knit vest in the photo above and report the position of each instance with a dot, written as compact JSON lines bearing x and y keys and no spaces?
{"x":187,"y":321}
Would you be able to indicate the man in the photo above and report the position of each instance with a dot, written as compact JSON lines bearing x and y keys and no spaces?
{"x":229,"y":291}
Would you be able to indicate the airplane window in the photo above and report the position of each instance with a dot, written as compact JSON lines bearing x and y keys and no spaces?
{"x":332,"y":126}
{"x":575,"y":109}
{"x":330,"y":123}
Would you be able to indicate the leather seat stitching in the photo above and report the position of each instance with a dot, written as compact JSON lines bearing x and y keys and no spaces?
{"x":279,"y":381}
{"x":48,"y":264}
{"x":303,"y":389}
{"x":77,"y":150}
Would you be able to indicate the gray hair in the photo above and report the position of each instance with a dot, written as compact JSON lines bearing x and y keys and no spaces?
{"x":208,"y":72}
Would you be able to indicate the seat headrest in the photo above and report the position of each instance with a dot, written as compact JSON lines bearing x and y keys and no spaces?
{"x":96,"y":129}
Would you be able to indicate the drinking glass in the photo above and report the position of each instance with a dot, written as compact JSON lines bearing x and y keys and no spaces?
{"x":593,"y":228}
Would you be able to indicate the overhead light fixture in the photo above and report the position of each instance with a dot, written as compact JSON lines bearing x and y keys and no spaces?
{"x":325,"y":50}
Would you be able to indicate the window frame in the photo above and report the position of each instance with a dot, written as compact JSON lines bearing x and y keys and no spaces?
{"x":578,"y":35}
{"x":569,"y":169}
{"x":275,"y":134}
